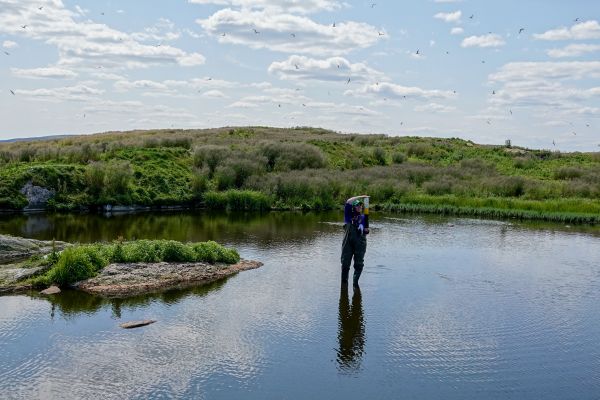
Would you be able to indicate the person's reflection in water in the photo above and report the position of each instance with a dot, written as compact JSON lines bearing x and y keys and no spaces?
{"x":351,"y":333}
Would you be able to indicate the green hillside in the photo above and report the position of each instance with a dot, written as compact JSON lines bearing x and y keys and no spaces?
{"x":261,"y":167}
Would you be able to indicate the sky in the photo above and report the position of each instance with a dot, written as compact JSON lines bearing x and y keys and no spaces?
{"x":485,"y":71}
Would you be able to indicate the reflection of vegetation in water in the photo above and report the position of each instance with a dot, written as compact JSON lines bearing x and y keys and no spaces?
{"x":185,"y":226}
{"x":71,"y":303}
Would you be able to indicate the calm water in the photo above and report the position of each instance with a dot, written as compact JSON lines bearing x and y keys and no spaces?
{"x":448,"y":309}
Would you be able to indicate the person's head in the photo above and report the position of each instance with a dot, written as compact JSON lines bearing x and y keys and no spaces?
{"x":357,"y":206}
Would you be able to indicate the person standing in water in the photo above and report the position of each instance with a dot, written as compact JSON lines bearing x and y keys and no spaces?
{"x":356,"y":229}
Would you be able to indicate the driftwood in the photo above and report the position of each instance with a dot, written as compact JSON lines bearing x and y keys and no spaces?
{"x":51,"y":290}
{"x":136,"y":324}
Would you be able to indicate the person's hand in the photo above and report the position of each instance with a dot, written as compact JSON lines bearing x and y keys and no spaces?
{"x":366,"y":231}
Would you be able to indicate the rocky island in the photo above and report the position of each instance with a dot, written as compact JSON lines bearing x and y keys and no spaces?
{"x":118,"y":269}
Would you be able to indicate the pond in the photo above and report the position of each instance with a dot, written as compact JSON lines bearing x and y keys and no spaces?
{"x":448,"y":308}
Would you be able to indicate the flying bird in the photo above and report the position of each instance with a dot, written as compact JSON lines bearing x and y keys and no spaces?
{"x":41,"y":8}
{"x":292,"y":34}
{"x":493,"y":92}
{"x":23,"y":26}
{"x":11,"y":91}
{"x":553,"y":144}
{"x":380,"y":33}
{"x":348,"y":81}
{"x":296,"y":65}
{"x":576,"y":20}
{"x":521,"y":30}
{"x":373,"y":5}
{"x":7,"y":53}
{"x":333,"y":26}
{"x":417,"y":53}
{"x":510,"y":111}
{"x":472,"y":15}
{"x":303,"y":105}
{"x":223,"y":34}
{"x":255,"y":31}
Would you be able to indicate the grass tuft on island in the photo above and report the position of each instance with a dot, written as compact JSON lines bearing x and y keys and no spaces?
{"x":82,"y":262}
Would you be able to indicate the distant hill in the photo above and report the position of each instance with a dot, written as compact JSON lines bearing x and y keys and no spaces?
{"x":299,"y":168}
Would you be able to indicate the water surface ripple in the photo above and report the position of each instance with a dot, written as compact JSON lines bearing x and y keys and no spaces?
{"x":448,"y":308}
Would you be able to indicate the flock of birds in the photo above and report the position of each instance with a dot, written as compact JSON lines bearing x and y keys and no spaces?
{"x":348,"y":80}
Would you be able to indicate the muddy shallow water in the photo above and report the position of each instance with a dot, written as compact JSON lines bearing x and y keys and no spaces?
{"x":448,"y":308}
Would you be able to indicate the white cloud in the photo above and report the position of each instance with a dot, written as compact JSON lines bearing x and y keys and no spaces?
{"x":50,"y":72}
{"x":582,"y":30}
{"x":549,"y":89}
{"x":80,"y":92}
{"x":213,"y":94}
{"x":457,"y":30}
{"x":449,"y":17}
{"x":392,"y":90}
{"x":9,"y":44}
{"x":108,"y":76}
{"x":435,"y":108}
{"x":489,"y":40}
{"x":573,"y":50}
{"x":537,"y":71}
{"x":124,"y":86}
{"x":85,"y":42}
{"x":334,"y":69}
{"x":288,"y":33}
{"x":163,"y":30}
{"x":242,"y":104}
{"x":294,"y":6}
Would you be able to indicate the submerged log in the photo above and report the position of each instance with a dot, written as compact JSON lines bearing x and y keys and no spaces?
{"x":136,"y":324}
{"x":51,"y":290}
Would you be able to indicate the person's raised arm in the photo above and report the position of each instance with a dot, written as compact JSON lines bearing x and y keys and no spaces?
{"x":351,"y":199}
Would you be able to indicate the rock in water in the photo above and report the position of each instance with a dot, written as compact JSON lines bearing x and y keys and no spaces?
{"x":51,"y":290}
{"x":136,"y":324}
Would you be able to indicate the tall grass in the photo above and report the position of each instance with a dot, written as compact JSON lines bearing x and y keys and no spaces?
{"x":81,"y":262}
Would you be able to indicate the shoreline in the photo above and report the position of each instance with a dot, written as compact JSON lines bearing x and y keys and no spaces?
{"x":448,"y":209}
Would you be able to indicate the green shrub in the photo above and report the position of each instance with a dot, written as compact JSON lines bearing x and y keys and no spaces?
{"x":380,"y":156}
{"x":76,"y":264}
{"x":177,"y":252}
{"x":565,"y":173}
{"x":212,"y":252}
{"x":210,"y":156}
{"x":505,"y":186}
{"x":398,"y":157}
{"x":291,"y":156}
{"x":524,"y":162}
{"x":437,"y":187}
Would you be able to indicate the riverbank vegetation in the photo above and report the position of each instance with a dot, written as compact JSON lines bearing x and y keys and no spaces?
{"x":80,"y":262}
{"x":257,"y":168}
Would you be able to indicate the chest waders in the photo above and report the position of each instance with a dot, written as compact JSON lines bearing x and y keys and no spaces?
{"x":354,"y":245}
